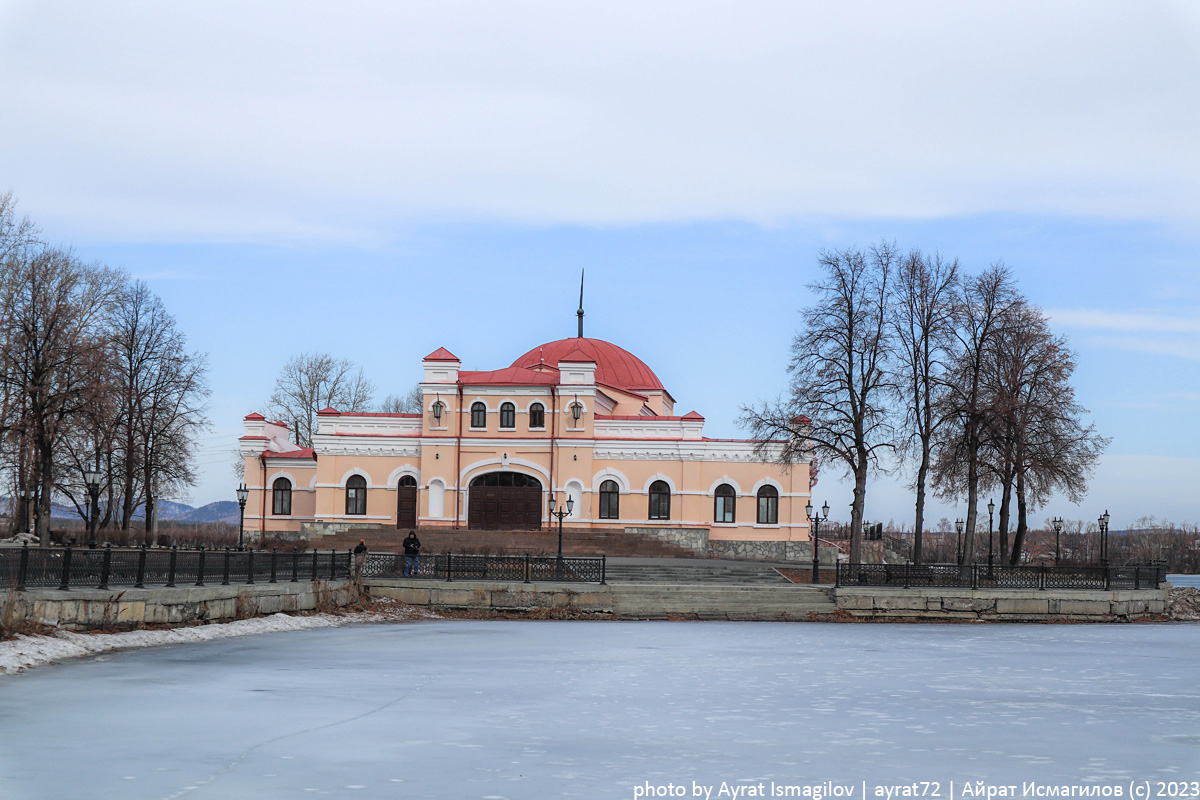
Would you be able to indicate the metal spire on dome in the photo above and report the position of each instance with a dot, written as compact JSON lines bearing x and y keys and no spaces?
{"x":579,"y":313}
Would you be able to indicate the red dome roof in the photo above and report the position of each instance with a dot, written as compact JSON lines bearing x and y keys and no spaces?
{"x":614,"y":366}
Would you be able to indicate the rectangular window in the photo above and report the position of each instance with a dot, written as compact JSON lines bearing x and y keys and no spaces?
{"x":283,"y":503}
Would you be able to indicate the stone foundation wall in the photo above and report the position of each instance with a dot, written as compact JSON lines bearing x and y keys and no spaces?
{"x":127,"y":609}
{"x":1015,"y":605}
{"x":792,"y":552}
{"x":315,"y":530}
{"x":694,"y":539}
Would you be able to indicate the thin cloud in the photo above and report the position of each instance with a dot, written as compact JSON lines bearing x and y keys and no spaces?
{"x":1125,"y":322}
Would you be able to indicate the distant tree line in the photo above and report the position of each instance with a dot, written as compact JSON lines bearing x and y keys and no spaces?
{"x":94,"y":375}
{"x":906,"y":362}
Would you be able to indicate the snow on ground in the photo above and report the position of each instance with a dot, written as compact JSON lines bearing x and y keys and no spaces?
{"x":25,"y":652}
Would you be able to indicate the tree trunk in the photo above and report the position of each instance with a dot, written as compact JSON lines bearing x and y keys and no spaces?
{"x":1005,"y":516}
{"x":856,"y":512}
{"x":919,"y":524}
{"x":968,"y":553}
{"x":1022,"y":521}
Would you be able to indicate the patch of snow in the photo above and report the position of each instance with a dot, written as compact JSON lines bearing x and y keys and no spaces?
{"x":25,"y":652}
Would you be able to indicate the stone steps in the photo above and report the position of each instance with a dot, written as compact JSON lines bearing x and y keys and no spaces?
{"x":576,"y":542}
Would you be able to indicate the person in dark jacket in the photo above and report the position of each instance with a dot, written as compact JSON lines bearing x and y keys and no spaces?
{"x":360,"y":558}
{"x":412,"y":553}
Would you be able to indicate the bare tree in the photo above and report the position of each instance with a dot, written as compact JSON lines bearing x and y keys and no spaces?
{"x":985,"y":304}
{"x":922,"y":316}
{"x":52,"y":306}
{"x":411,"y":403}
{"x":311,"y":382}
{"x":1040,"y":444}
{"x":841,"y":387}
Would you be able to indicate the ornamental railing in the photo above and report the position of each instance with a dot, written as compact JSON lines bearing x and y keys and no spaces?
{"x":981,"y":576}
{"x":104,"y":567}
{"x":459,"y":567}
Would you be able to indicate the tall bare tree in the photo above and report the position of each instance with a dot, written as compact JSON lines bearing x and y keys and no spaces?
{"x":985,"y":306}
{"x":841,"y":388}
{"x":1040,"y":444}
{"x":310,"y":382}
{"x":922,"y":314}
{"x":53,"y":306}
{"x":162,"y":391}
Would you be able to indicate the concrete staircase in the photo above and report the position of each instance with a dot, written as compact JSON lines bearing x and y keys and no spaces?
{"x":576,"y":542}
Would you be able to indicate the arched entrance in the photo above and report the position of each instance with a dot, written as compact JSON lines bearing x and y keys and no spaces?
{"x":508,"y":501}
{"x":406,"y":502}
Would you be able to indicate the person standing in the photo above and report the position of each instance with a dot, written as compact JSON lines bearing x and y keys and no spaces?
{"x":412,"y":554}
{"x":360,"y":559}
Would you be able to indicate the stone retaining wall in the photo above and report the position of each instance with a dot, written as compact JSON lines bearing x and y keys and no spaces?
{"x":125,"y":609}
{"x":792,"y":552}
{"x":495,"y":595}
{"x":694,"y":539}
{"x":315,"y":530}
{"x":1016,"y":605}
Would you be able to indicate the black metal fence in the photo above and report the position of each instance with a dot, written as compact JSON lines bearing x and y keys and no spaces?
{"x":977,"y":576}
{"x":101,"y":568}
{"x":526,"y":568}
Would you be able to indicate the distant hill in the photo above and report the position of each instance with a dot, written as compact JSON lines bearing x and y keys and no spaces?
{"x":220,"y":511}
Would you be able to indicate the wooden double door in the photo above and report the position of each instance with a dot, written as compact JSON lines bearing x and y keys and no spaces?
{"x":406,"y":503}
{"x":506,"y":501}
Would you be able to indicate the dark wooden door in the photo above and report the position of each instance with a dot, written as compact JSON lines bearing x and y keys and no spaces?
{"x":505,"y":508}
{"x":406,"y":503}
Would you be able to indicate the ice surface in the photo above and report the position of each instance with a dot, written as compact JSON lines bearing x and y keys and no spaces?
{"x":524,"y":709}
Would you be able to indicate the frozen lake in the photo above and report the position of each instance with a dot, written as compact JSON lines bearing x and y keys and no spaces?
{"x":521,"y":709}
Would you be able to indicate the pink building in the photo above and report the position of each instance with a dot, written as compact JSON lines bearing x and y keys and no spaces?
{"x":579,"y":419}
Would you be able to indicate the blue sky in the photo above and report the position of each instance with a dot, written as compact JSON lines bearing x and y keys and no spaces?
{"x":317,"y":178}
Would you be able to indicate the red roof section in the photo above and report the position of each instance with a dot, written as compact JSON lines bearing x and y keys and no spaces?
{"x":642,"y":418}
{"x":255,"y":415}
{"x":328,"y":411}
{"x":577,"y":356}
{"x":303,"y":452}
{"x":614,"y":366}
{"x":441,"y":354}
{"x":512,"y":376}
{"x":378,"y":414}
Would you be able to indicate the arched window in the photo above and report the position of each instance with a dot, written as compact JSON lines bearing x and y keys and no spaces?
{"x":508,"y":415}
{"x":537,"y":416}
{"x":610,"y":500}
{"x":356,"y":495}
{"x":478,"y":415}
{"x":660,"y":500}
{"x":768,"y":506}
{"x":281,"y":505}
{"x":724,"y":504}
{"x":407,"y":482}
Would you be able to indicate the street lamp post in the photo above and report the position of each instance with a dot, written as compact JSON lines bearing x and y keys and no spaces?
{"x":991,"y":508}
{"x":815,"y":517}
{"x":242,"y":494}
{"x":1104,"y":538}
{"x":91,"y":477}
{"x":1058,"y":526}
{"x":958,"y":548}
{"x":560,"y":514}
